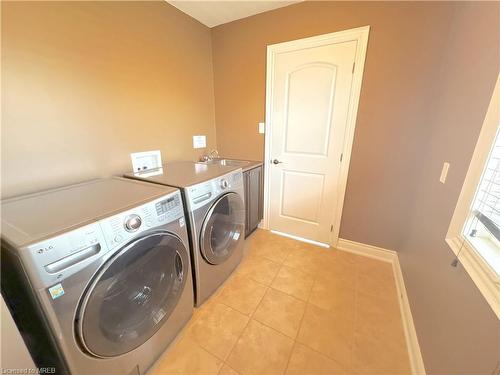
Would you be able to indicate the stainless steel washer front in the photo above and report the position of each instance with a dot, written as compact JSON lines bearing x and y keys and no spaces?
{"x":132,"y":295}
{"x":223,"y":228}
{"x":214,"y":207}
{"x":107,"y":272}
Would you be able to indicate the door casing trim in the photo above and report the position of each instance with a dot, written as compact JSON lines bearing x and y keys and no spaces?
{"x":360,"y":35}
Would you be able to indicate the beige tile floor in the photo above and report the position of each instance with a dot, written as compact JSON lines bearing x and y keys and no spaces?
{"x":295,"y":308}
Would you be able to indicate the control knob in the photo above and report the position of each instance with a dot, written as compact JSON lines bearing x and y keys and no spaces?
{"x":224,"y":184}
{"x":132,"y":223}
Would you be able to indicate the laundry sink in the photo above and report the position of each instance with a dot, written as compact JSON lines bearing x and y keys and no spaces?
{"x":229,"y":162}
{"x":245,"y":165}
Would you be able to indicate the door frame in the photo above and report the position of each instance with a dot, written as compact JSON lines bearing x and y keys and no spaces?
{"x":360,"y":35}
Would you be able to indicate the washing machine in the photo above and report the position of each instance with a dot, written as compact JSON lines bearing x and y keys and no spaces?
{"x":97,"y":275}
{"x":215,"y":210}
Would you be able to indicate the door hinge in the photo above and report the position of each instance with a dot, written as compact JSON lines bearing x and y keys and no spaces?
{"x":341,"y":156}
{"x":331,"y":228}
{"x":353,"y":65}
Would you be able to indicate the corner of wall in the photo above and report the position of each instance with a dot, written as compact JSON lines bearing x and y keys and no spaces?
{"x":212,"y":65}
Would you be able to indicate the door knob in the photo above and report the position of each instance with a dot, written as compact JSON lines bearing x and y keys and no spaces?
{"x":276,"y":161}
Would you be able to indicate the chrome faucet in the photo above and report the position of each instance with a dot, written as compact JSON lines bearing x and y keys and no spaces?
{"x":212,"y":154}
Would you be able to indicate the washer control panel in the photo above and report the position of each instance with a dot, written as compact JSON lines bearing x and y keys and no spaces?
{"x":132,"y":223}
{"x":165,"y":205}
{"x":120,"y":228}
{"x":54,"y":259}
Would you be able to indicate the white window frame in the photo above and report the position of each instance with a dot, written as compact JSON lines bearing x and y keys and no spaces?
{"x":485,"y":278}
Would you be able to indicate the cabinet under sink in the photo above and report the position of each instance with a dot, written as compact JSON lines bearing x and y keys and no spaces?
{"x":253,"y":179}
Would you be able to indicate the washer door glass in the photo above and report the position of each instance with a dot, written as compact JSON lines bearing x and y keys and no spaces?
{"x":223,"y":228}
{"x":133,"y":294}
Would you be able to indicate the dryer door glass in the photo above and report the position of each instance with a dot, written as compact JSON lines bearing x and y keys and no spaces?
{"x":223,"y":228}
{"x":133,"y":294}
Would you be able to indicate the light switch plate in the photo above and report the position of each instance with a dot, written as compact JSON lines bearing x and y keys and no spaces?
{"x":444,"y":172}
{"x":199,"y":141}
{"x":262,"y":128}
{"x":142,"y":161}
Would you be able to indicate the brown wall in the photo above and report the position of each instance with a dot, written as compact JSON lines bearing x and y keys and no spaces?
{"x":405,"y":45}
{"x":430,"y":70}
{"x":84,"y":84}
{"x":458,"y":331}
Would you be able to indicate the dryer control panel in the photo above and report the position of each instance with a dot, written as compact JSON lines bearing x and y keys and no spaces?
{"x":201,"y":194}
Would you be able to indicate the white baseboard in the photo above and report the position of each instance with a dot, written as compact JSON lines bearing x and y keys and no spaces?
{"x":367,"y":250}
{"x":390,"y":256}
{"x":416,"y":360}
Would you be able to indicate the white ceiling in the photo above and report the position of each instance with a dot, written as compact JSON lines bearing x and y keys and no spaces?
{"x":213,"y":12}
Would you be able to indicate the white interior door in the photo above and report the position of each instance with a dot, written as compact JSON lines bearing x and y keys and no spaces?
{"x":311,"y":93}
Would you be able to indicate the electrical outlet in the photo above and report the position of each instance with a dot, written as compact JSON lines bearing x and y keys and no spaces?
{"x":444,"y":172}
{"x":142,"y":161}
{"x":262,"y":128}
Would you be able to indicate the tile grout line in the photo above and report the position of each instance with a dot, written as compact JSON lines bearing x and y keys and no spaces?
{"x":294,"y":339}
{"x":243,"y":330}
{"x":191,"y":324}
{"x":253,"y":313}
{"x":307,"y":302}
{"x":356,"y":317}
{"x":323,"y":355}
{"x":246,"y":325}
{"x":274,"y":329}
{"x":290,"y":356}
{"x":224,"y":361}
{"x":300,"y":326}
{"x":266,"y":289}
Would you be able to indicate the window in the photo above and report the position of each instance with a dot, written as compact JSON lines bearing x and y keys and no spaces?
{"x":474,"y":233}
{"x":482,"y":228}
